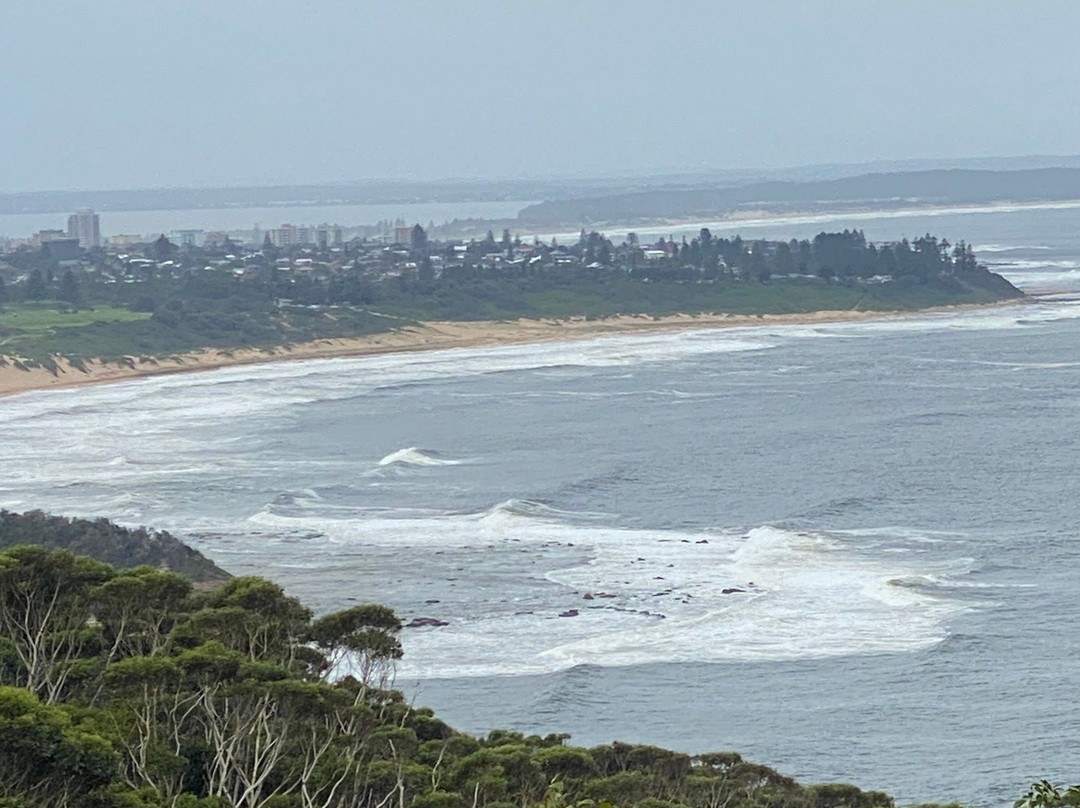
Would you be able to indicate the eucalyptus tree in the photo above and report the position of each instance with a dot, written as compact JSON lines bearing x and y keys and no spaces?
{"x":46,"y":615}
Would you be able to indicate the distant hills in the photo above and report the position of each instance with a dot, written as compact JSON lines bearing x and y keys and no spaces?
{"x":932,"y":187}
{"x":551,"y":188}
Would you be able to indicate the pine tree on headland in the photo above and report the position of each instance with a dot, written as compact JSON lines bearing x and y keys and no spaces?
{"x":162,"y":249}
{"x":69,"y":288}
{"x":418,"y":239}
{"x":35,"y":286}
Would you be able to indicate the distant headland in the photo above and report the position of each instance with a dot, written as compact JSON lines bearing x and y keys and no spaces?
{"x":71,"y":314}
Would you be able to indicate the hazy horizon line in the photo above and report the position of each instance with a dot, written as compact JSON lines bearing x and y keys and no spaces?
{"x":579,"y":178}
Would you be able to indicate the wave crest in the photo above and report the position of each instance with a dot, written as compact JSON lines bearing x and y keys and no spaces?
{"x":413,"y":456}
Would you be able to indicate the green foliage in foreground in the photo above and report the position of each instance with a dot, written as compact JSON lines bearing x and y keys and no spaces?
{"x":106,"y":541}
{"x":1045,"y":794}
{"x":126,"y":689}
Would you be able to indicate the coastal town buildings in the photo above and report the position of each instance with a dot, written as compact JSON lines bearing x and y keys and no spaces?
{"x":42,"y":237}
{"x":85,"y":225}
{"x":186,"y":238}
{"x":289,"y":235}
{"x":124,"y":241}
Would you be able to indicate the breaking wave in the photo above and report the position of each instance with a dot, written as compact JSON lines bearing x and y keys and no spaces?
{"x":566,"y":589}
{"x":416,"y":457}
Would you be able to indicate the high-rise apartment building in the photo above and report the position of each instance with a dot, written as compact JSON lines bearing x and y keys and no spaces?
{"x":289,"y":235}
{"x":284,"y":236}
{"x":187,"y":238}
{"x":85,"y":225}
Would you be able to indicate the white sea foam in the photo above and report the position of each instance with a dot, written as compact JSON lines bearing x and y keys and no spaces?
{"x":1034,"y":281}
{"x":999,"y":248}
{"x":183,"y":429}
{"x":416,"y":457}
{"x":1014,"y":264}
{"x":655,"y":595}
{"x":151,"y":414}
{"x":153,"y":406}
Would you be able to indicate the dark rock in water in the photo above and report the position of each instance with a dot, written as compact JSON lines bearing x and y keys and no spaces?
{"x":702,"y":541}
{"x":569,"y":613}
{"x":424,"y":622}
{"x":731,"y":590}
{"x":587,"y":596}
{"x":429,"y":602}
{"x":658,"y":577}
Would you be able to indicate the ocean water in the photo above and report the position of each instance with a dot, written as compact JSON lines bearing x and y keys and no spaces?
{"x":846,"y":551}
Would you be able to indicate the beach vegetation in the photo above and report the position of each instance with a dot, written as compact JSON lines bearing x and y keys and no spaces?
{"x":122,"y":547}
{"x":1045,"y":794}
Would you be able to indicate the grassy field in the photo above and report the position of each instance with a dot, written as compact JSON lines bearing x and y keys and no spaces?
{"x":24,"y":324}
{"x":38,"y":331}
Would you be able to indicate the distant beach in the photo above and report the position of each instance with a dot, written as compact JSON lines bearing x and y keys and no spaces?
{"x":421,"y":337}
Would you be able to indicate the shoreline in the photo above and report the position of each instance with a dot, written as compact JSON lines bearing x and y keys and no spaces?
{"x":430,"y":336}
{"x":764,"y":217}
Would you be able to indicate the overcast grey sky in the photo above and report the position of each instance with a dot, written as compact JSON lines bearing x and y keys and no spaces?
{"x":140,"y":93}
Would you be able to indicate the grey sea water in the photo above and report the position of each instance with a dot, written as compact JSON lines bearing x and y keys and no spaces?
{"x":891,"y":506}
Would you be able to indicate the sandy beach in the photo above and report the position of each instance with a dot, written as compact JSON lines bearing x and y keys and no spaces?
{"x":16,"y":378}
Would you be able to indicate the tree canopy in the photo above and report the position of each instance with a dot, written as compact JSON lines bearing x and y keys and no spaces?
{"x":129,"y":689}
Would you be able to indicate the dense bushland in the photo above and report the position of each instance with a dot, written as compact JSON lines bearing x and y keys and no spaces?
{"x":128,"y":688}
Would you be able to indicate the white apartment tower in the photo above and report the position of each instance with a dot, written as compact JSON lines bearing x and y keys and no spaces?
{"x":85,"y":225}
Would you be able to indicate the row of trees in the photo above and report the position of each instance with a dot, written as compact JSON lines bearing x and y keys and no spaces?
{"x":829,"y":255}
{"x":44,"y":285}
{"x":127,"y":688}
